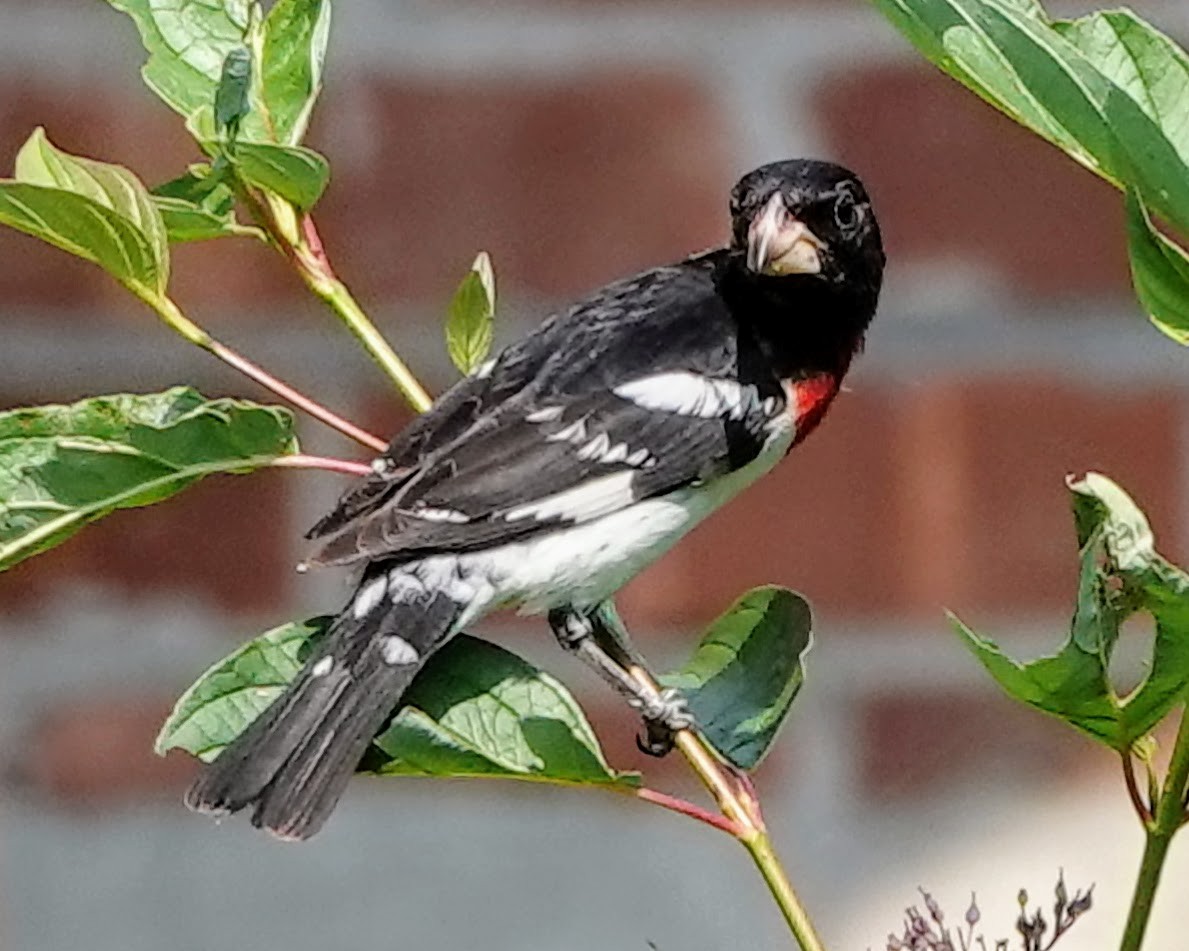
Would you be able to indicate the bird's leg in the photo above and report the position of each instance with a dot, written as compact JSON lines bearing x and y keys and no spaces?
{"x":664,"y":712}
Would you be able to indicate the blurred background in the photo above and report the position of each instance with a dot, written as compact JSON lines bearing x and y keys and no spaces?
{"x":579,"y":141}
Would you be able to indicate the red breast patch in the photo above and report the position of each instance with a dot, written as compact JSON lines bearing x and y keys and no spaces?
{"x":808,"y":401}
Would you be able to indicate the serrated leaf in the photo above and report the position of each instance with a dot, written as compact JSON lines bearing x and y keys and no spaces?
{"x":62,"y":467}
{"x":470,"y":321}
{"x":1109,"y":89}
{"x":113,"y":187}
{"x":1121,"y":574}
{"x":474,"y":710}
{"x":295,"y":173}
{"x":189,"y":40}
{"x":1159,"y":272}
{"x":746,"y":672}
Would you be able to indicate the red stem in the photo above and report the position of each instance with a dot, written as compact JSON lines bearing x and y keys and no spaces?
{"x":302,"y":402}
{"x":666,"y":801}
{"x":344,"y":466}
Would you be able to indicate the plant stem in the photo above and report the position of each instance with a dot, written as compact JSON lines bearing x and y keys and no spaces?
{"x":742,"y":809}
{"x":1169,"y":814}
{"x":173,"y":317}
{"x":1137,"y":801}
{"x":309,"y":258}
{"x":343,"y":466}
{"x":674,"y":804}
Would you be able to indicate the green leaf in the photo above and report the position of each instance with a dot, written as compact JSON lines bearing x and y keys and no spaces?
{"x":189,"y":40}
{"x":1159,"y":271}
{"x":294,"y":51}
{"x":295,"y":173}
{"x":1109,"y":89}
{"x":199,"y":205}
{"x":471,"y":317}
{"x":747,"y":671}
{"x":474,"y":710}
{"x":83,"y":228}
{"x":233,"y":94}
{"x":1121,"y":574}
{"x":64,"y":466}
{"x":236,"y":690}
{"x":112,"y":187}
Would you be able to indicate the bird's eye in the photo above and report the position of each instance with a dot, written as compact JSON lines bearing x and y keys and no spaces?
{"x":847,"y":214}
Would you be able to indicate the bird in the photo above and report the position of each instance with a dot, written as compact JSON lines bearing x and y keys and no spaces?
{"x":557,"y":470}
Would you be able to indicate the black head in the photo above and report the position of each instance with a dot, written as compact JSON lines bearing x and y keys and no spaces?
{"x":808,"y":221}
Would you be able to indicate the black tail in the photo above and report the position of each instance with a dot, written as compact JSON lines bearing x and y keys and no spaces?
{"x":294,"y":761}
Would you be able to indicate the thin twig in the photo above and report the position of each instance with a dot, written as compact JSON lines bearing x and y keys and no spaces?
{"x":343,"y":466}
{"x":172,"y":316}
{"x":290,"y":395}
{"x":1142,"y":809}
{"x":690,"y":809}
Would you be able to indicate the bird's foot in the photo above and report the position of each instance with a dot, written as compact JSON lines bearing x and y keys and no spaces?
{"x":665,"y":713}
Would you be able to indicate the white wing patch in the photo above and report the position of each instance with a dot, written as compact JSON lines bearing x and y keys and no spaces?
{"x":583,"y":502}
{"x":689,"y":394}
{"x":369,"y":596}
{"x":546,"y":414}
{"x":439,"y":515}
{"x":575,"y":432}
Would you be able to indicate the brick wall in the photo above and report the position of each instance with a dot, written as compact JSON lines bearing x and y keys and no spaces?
{"x":577,"y":142}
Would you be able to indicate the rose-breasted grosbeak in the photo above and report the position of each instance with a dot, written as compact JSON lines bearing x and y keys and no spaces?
{"x":558,"y":470}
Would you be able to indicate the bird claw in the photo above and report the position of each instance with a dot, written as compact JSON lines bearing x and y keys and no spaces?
{"x":665,"y":714}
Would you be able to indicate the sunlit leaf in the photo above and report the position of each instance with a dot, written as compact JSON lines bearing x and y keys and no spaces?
{"x":746,"y":672}
{"x":471,"y":318}
{"x":64,"y":466}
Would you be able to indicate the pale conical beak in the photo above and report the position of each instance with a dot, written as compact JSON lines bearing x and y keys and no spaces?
{"x":778,"y":244}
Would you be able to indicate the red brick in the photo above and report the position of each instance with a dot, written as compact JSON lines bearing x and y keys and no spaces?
{"x":1020,"y":438}
{"x":98,"y":751}
{"x":952,"y":177}
{"x":568,"y":181}
{"x":227,"y":539}
{"x":916,"y":743}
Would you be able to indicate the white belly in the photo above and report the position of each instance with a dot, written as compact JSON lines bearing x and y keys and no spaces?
{"x":586,"y":563}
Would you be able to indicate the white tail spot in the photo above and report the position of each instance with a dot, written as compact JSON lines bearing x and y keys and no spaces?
{"x":398,"y":651}
{"x":323,"y":667}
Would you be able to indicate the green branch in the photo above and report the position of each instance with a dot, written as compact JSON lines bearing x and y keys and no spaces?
{"x":1168,"y":817}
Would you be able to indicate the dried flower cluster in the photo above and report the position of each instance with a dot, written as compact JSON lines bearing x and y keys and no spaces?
{"x":929,"y":931}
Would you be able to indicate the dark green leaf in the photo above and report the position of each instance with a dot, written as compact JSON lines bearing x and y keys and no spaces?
{"x":114,"y":188}
{"x":1108,"y":89}
{"x":1121,"y":574}
{"x":1159,"y":271}
{"x":295,"y":173}
{"x":199,"y":205}
{"x":64,"y":466}
{"x":475,"y":710}
{"x":471,"y":318}
{"x":233,"y":95}
{"x":746,"y":672}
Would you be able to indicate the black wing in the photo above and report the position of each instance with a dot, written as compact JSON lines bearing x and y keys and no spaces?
{"x":538,"y":465}
{"x":666,"y":319}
